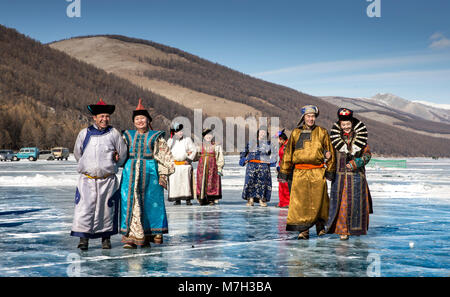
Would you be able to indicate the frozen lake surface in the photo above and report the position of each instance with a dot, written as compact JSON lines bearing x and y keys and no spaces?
{"x":408,"y":233}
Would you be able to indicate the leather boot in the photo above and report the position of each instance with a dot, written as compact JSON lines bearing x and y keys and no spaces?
{"x":320,"y":228}
{"x":188,"y":202}
{"x":304,"y":235}
{"x":129,"y":246}
{"x":84,"y":243}
{"x":262,"y":203}
{"x":157,"y":239}
{"x":106,"y":243}
{"x":250,"y":202}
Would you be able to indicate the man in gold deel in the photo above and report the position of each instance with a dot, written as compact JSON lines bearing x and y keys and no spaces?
{"x":309,"y":155}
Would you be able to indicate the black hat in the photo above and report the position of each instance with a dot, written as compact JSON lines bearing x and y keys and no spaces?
{"x":345,"y":114}
{"x":101,"y":107}
{"x":206,"y":132}
{"x":140,"y":110}
{"x":176,"y":127}
{"x":282,"y":135}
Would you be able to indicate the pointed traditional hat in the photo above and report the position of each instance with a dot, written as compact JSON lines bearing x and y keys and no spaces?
{"x":101,"y":107}
{"x":140,"y":110}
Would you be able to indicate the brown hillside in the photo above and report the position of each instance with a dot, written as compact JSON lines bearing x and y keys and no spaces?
{"x":44,"y":93}
{"x":192,"y":81}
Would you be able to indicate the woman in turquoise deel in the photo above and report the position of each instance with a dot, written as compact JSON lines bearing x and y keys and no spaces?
{"x":143,"y":217}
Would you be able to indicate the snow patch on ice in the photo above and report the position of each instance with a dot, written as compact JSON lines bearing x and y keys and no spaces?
{"x":412,"y":190}
{"x":214,"y":264}
{"x":39,"y":180}
{"x":35,"y":235}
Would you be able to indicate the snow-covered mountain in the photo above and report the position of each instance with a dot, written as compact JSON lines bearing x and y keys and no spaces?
{"x":392,"y":104}
{"x":424,"y":110}
{"x":435,"y":105}
{"x":399,"y":113}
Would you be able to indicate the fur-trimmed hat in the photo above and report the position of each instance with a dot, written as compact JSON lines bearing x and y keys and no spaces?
{"x":101,"y":107}
{"x":307,"y":109}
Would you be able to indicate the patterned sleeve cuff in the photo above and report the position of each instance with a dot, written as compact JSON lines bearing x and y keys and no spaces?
{"x":359,"y":162}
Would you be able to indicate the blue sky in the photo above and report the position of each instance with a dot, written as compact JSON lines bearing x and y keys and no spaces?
{"x":320,"y":47}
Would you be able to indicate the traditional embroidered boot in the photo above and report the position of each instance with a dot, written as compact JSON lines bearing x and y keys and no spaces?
{"x":250,"y":202}
{"x":262,"y":203}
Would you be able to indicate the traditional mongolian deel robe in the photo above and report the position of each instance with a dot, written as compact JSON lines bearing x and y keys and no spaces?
{"x":258,"y":180}
{"x":210,"y":164}
{"x":350,"y":200}
{"x":143,"y":211}
{"x":97,"y":194}
{"x":181,"y":181}
{"x":305,"y":154}
{"x":283,"y":188}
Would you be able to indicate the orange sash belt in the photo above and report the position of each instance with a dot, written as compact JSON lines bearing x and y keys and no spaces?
{"x":180,"y":163}
{"x":258,"y":161}
{"x":308,"y":166}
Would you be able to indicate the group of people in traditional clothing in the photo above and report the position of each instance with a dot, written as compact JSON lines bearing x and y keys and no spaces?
{"x":307,"y":159}
{"x":134,"y":206}
{"x":311,"y":156}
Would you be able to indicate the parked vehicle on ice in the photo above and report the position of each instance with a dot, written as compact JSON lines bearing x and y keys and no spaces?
{"x":60,"y":153}
{"x":30,"y":153}
{"x":46,"y":155}
{"x":7,"y":155}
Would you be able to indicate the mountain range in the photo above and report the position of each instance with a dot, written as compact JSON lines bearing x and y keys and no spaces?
{"x":44,"y":90}
{"x":400,"y":113}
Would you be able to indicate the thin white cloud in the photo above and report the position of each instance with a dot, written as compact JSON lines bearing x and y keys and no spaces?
{"x":436,"y":35}
{"x":439,"y":41}
{"x":355,"y":65}
{"x":393,"y":77}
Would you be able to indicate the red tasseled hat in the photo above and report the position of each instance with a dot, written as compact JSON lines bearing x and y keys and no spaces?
{"x":140,"y":110}
{"x":101,"y":107}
